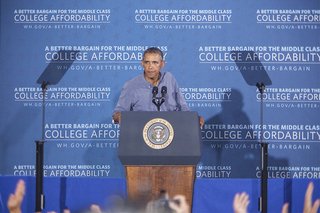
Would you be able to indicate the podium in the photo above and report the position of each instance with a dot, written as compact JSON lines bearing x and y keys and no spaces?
{"x":160,"y":151}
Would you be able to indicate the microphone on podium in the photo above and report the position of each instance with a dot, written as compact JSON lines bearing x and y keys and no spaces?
{"x":163,"y":92}
{"x":156,"y":100}
{"x":154,"y":94}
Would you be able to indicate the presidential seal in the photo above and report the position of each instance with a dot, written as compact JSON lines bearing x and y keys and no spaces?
{"x":158,"y":133}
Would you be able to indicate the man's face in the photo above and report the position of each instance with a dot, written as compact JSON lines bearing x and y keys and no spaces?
{"x":152,"y":64}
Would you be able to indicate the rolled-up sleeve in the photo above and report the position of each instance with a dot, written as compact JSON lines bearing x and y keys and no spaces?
{"x":124,"y":102}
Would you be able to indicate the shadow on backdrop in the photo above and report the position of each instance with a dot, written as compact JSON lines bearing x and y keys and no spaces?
{"x":243,"y":157}
{"x":55,"y":70}
{"x":242,"y":154}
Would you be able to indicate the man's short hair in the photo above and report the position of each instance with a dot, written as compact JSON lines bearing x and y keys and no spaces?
{"x":153,"y":50}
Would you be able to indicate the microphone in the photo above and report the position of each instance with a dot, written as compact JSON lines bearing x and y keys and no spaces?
{"x":154,"y":92}
{"x":163,"y":92}
{"x":261,"y":87}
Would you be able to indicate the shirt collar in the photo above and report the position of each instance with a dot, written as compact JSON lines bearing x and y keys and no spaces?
{"x":148,"y":84}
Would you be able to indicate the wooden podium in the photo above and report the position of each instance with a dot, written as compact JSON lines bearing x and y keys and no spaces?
{"x":160,"y":151}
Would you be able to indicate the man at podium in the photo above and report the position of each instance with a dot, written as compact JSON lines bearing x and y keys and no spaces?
{"x":142,"y":94}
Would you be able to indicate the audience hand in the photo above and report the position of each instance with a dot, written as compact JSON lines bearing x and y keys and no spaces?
{"x":15,"y":200}
{"x":285,"y":208}
{"x":241,"y":202}
{"x":95,"y":208}
{"x":308,"y":208}
{"x":64,"y":211}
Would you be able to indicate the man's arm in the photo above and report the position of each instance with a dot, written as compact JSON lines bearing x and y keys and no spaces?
{"x":124,"y":104}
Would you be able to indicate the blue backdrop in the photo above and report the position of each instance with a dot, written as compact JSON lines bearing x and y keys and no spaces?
{"x":215,"y":50}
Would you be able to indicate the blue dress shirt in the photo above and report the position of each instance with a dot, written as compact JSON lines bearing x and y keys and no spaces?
{"x":136,"y":95}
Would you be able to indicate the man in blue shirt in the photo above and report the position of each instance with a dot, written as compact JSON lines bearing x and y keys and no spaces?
{"x":136,"y":94}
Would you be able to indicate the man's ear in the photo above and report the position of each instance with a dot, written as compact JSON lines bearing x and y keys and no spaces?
{"x":162,"y":64}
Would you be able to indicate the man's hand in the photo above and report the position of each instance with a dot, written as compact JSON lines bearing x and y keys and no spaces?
{"x":117,"y":117}
{"x":201,"y":120}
